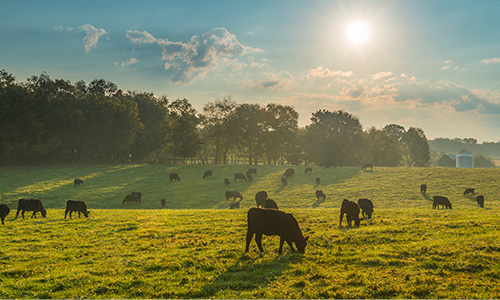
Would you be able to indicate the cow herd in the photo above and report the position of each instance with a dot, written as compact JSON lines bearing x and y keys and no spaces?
{"x":445,"y":202}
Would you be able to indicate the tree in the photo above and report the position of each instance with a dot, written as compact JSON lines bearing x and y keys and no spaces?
{"x":249,"y":124}
{"x":281,"y":126}
{"x":383,"y":150}
{"x":395,"y":131}
{"x":185,"y":136}
{"x":417,"y":150}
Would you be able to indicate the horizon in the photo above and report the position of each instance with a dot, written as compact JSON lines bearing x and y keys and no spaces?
{"x":428,"y":64}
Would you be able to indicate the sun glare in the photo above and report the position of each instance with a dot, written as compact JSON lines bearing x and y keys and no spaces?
{"x":358,"y":32}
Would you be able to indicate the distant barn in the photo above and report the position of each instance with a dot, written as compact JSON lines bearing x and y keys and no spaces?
{"x":447,"y":161}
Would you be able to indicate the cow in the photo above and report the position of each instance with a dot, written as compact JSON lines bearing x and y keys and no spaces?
{"x":251,"y":171}
{"x":308,"y":170}
{"x":174,"y":176}
{"x":469,"y":192}
{"x":351,"y":210}
{"x":78,"y":206}
{"x":366,"y":166}
{"x":366,"y":206}
{"x":318,"y":181}
{"x":320,"y":194}
{"x":289,"y":172}
{"x":274,"y":222}
{"x":226,"y":181}
{"x":134,"y":197}
{"x":326,"y":164}
{"x":33,"y":205}
{"x":250,"y":177}
{"x":163,"y":203}
{"x":207,"y":174}
{"x":480,"y":201}
{"x":239,"y":176}
{"x":234,"y":205}
{"x":260,"y":198}
{"x":4,"y":211}
{"x":77,"y":182}
{"x":270,"y":203}
{"x":284,"y":181}
{"x":234,"y":195}
{"x":423,"y":188}
{"x":441,"y":200}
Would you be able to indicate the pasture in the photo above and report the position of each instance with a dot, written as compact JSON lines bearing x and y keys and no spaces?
{"x":195,"y":248}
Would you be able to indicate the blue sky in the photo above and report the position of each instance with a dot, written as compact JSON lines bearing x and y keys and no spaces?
{"x":429,"y":64}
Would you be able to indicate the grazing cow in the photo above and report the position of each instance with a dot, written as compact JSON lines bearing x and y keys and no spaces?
{"x":77,"y":182}
{"x":441,"y":200}
{"x":134,"y":197}
{"x":239,"y":176}
{"x":326,"y":164}
{"x":207,"y":174}
{"x":308,"y":170}
{"x":480,"y":200}
{"x":260,"y":198}
{"x":226,"y":181}
{"x":289,"y":172}
{"x":4,"y":211}
{"x":163,"y":203}
{"x":274,"y":222}
{"x":78,"y":206}
{"x":33,"y":205}
{"x":284,"y":181}
{"x":250,"y":177}
{"x":320,"y":194}
{"x":469,"y":192}
{"x":351,"y":210}
{"x":423,"y":188}
{"x":251,"y":171}
{"x":234,"y":205}
{"x":366,"y":166}
{"x":234,"y":195}
{"x":270,"y":203}
{"x":174,"y":176}
{"x":366,"y":206}
{"x":318,"y":181}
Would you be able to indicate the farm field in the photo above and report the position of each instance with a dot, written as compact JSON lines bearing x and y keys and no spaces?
{"x":195,"y":248}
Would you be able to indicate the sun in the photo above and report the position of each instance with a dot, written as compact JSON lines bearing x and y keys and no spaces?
{"x":358,"y":32}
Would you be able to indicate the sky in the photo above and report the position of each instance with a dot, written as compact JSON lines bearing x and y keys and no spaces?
{"x":432,"y":64}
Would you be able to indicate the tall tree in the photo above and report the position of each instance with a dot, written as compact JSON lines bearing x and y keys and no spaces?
{"x":417,"y":150}
{"x":382,"y":149}
{"x":280,"y":128}
{"x":185,"y":136}
{"x":249,"y":125}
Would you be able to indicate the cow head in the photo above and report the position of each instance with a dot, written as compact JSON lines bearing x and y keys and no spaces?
{"x":301,"y":244}
{"x":44,"y":213}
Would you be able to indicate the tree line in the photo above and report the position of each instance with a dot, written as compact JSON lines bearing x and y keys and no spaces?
{"x":56,"y":121}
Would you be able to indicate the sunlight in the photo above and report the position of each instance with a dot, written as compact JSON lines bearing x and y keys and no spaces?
{"x":358,"y":32}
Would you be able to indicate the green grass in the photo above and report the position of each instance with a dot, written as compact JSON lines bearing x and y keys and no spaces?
{"x":196,"y":250}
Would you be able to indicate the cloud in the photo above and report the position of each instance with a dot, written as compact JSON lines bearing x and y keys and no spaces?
{"x":381,"y":75}
{"x":92,"y":37}
{"x":187,"y":61}
{"x":278,"y":80}
{"x":493,"y":60}
{"x":322,"y":72}
{"x":62,"y":28}
{"x":131,"y":61}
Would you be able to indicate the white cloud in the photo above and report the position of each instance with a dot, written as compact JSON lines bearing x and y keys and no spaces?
{"x":92,"y":37}
{"x":140,"y":37}
{"x":381,"y":75}
{"x":131,"y":61}
{"x":322,"y":72}
{"x":490,"y":60}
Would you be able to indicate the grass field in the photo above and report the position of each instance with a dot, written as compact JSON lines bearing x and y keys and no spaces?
{"x":195,"y":249}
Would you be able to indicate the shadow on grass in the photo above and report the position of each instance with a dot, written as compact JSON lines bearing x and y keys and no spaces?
{"x":245,"y":274}
{"x":318,"y":203}
{"x":426,"y":197}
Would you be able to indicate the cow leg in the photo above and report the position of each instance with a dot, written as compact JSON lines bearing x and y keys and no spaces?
{"x":290,"y":243}
{"x":17,"y":214}
{"x":249,"y":239}
{"x":65,"y":214}
{"x":341,"y":217}
{"x":22,"y":213}
{"x":78,"y":215}
{"x":70,"y":214}
{"x":258,"y":240}
{"x":33,"y":215}
{"x":282,"y":241}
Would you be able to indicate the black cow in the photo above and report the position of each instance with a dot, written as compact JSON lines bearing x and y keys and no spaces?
{"x":318,"y":181}
{"x":441,"y":200}
{"x":226,"y":181}
{"x":163,"y":202}
{"x":174,"y":176}
{"x":469,"y":192}
{"x":78,"y":206}
{"x":270,"y":203}
{"x":289,"y":172}
{"x":274,"y":222}
{"x":234,"y":205}
{"x":4,"y":211}
{"x":423,"y":188}
{"x":134,"y":197}
{"x":234,"y":195}
{"x":351,"y":210}
{"x":250,"y":177}
{"x":308,"y":170}
{"x":33,"y":205}
{"x":284,"y":181}
{"x":320,"y":194}
{"x":251,"y":171}
{"x":366,"y":166}
{"x":77,"y":182}
{"x":366,"y":206}
{"x":207,"y":174}
{"x":260,"y":198}
{"x":480,"y":200}
{"x":239,"y":176}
